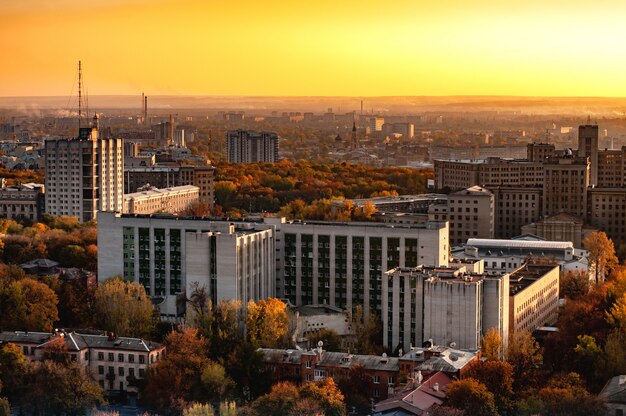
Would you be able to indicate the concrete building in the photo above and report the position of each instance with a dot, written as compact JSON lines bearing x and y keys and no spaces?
{"x":118,"y":364}
{"x":23,"y":201}
{"x":172,"y":176}
{"x":534,"y":297}
{"x":375,"y":125}
{"x":471,"y":214}
{"x":608,"y":212}
{"x":84,"y":175}
{"x":406,"y":130}
{"x":152,"y":200}
{"x":566,"y":180}
{"x":614,"y":393}
{"x":168,"y":255}
{"x":343,"y":264}
{"x":506,"y":256}
{"x":514,"y":208}
{"x":247,"y":146}
{"x":588,"y":147}
{"x":443,"y":306}
{"x":560,"y":227}
{"x":539,"y":152}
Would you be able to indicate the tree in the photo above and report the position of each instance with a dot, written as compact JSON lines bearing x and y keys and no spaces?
{"x":327,"y":394}
{"x":13,"y":365}
{"x":616,"y":316}
{"x":615,"y":354}
{"x":306,"y":407}
{"x":267,"y":321}
{"x":492,"y":345}
{"x":55,"y":388}
{"x":524,"y":354}
{"x":215,"y":380}
{"x":356,"y":388}
{"x":198,"y":409}
{"x":124,"y":308}
{"x":367,"y":330}
{"x":574,"y":285}
{"x":565,"y":395}
{"x":27,"y":304}
{"x":472,"y":396}
{"x":497,"y":376}
{"x":601,"y":253}
{"x":589,"y":359}
{"x":279,"y":401}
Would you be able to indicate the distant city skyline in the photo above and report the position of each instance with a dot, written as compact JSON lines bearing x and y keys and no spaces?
{"x":281,"y":48}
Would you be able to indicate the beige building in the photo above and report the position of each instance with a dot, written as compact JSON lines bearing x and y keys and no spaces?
{"x":118,"y":364}
{"x":471,"y":214}
{"x":539,"y":152}
{"x":22,"y":201}
{"x":608,"y":212}
{"x":84,"y":175}
{"x":534,"y":300}
{"x":560,"y":227}
{"x":153,"y":200}
{"x":588,"y":147}
{"x":565,"y":186}
{"x":514,"y":208}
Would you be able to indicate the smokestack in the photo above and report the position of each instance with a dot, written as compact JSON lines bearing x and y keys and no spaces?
{"x":171,"y":138}
{"x":145,"y":110}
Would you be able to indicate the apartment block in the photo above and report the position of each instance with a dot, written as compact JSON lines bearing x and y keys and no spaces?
{"x":168,"y":255}
{"x":247,"y":146}
{"x":442,"y":306}
{"x":608,"y":212}
{"x":471,"y":214}
{"x":84,"y":175}
{"x":153,"y":200}
{"x":566,"y":180}
{"x":342,"y":264}
{"x":514,"y":208}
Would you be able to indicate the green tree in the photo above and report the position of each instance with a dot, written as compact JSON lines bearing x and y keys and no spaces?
{"x":124,"y":308}
{"x":367,"y":330}
{"x":472,"y":396}
{"x":216,"y":381}
{"x":565,"y":395}
{"x":331,"y":339}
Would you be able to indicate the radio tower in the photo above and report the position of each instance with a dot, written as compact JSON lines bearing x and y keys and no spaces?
{"x":80,"y":95}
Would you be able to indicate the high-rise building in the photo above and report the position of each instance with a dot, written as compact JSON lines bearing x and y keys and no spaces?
{"x":84,"y":175}
{"x":247,"y":146}
{"x":566,"y":180}
{"x":471,"y":214}
{"x":588,"y":147}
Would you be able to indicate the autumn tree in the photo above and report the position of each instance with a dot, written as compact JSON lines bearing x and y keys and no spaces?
{"x":492,"y":345}
{"x":574,"y":285}
{"x":279,"y":401}
{"x":55,"y":388}
{"x":267,"y":321}
{"x":524,"y":354}
{"x":601,"y":253}
{"x":124,"y":308}
{"x":27,"y":304}
{"x":367,"y":330}
{"x":327,"y":394}
{"x":472,"y":396}
{"x":566,"y":396}
{"x":215,"y":380}
{"x":497,"y":376}
{"x":13,"y":365}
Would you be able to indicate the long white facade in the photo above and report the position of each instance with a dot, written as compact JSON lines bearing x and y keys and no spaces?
{"x":167,"y":255}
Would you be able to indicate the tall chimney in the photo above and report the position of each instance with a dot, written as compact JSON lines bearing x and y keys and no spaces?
{"x":145,"y":110}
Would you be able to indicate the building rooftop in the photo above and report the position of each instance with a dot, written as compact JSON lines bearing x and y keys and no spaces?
{"x":474,"y":190}
{"x":77,"y":341}
{"x":526,"y":275}
{"x":159,"y":192}
{"x":614,"y":390}
{"x":519,"y":243}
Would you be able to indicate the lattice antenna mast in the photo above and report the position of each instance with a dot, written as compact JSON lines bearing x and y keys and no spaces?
{"x":80,"y":95}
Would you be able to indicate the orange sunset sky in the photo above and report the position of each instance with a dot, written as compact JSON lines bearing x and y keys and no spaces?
{"x":340,"y":47}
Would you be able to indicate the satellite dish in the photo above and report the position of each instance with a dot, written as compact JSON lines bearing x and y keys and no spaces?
{"x":320,"y":344}
{"x":452,"y":344}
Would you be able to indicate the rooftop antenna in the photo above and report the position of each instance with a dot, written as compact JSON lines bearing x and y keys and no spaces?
{"x":80,"y":94}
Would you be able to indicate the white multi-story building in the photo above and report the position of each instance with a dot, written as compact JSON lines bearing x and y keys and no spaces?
{"x":170,"y":200}
{"x":168,"y":255}
{"x":342,"y":264}
{"x":247,"y":146}
{"x":445,"y":306}
{"x":84,"y":175}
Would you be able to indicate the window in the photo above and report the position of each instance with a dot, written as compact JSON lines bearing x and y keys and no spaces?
{"x":142,"y":359}
{"x":120,"y":371}
{"x":101,"y":356}
{"x":376,"y":379}
{"x":308,"y":364}
{"x":376,"y":393}
{"x":142,"y":373}
{"x":131,"y":358}
{"x":131,"y":372}
{"x":390,"y":380}
{"x":100,"y":369}
{"x":111,"y":356}
{"x":120,"y":357}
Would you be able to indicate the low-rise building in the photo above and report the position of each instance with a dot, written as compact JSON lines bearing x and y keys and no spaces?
{"x":614,"y":393}
{"x":415,"y":398}
{"x":116,"y":363}
{"x":149,"y":200}
{"x":23,"y":201}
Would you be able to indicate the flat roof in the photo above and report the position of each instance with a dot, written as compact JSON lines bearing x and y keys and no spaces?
{"x":501,"y":243}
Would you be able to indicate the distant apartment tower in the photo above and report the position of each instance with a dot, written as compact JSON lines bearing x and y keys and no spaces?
{"x":566,"y":180}
{"x":588,"y":147}
{"x":375,"y":125}
{"x":247,"y":146}
{"x":84,"y":175}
